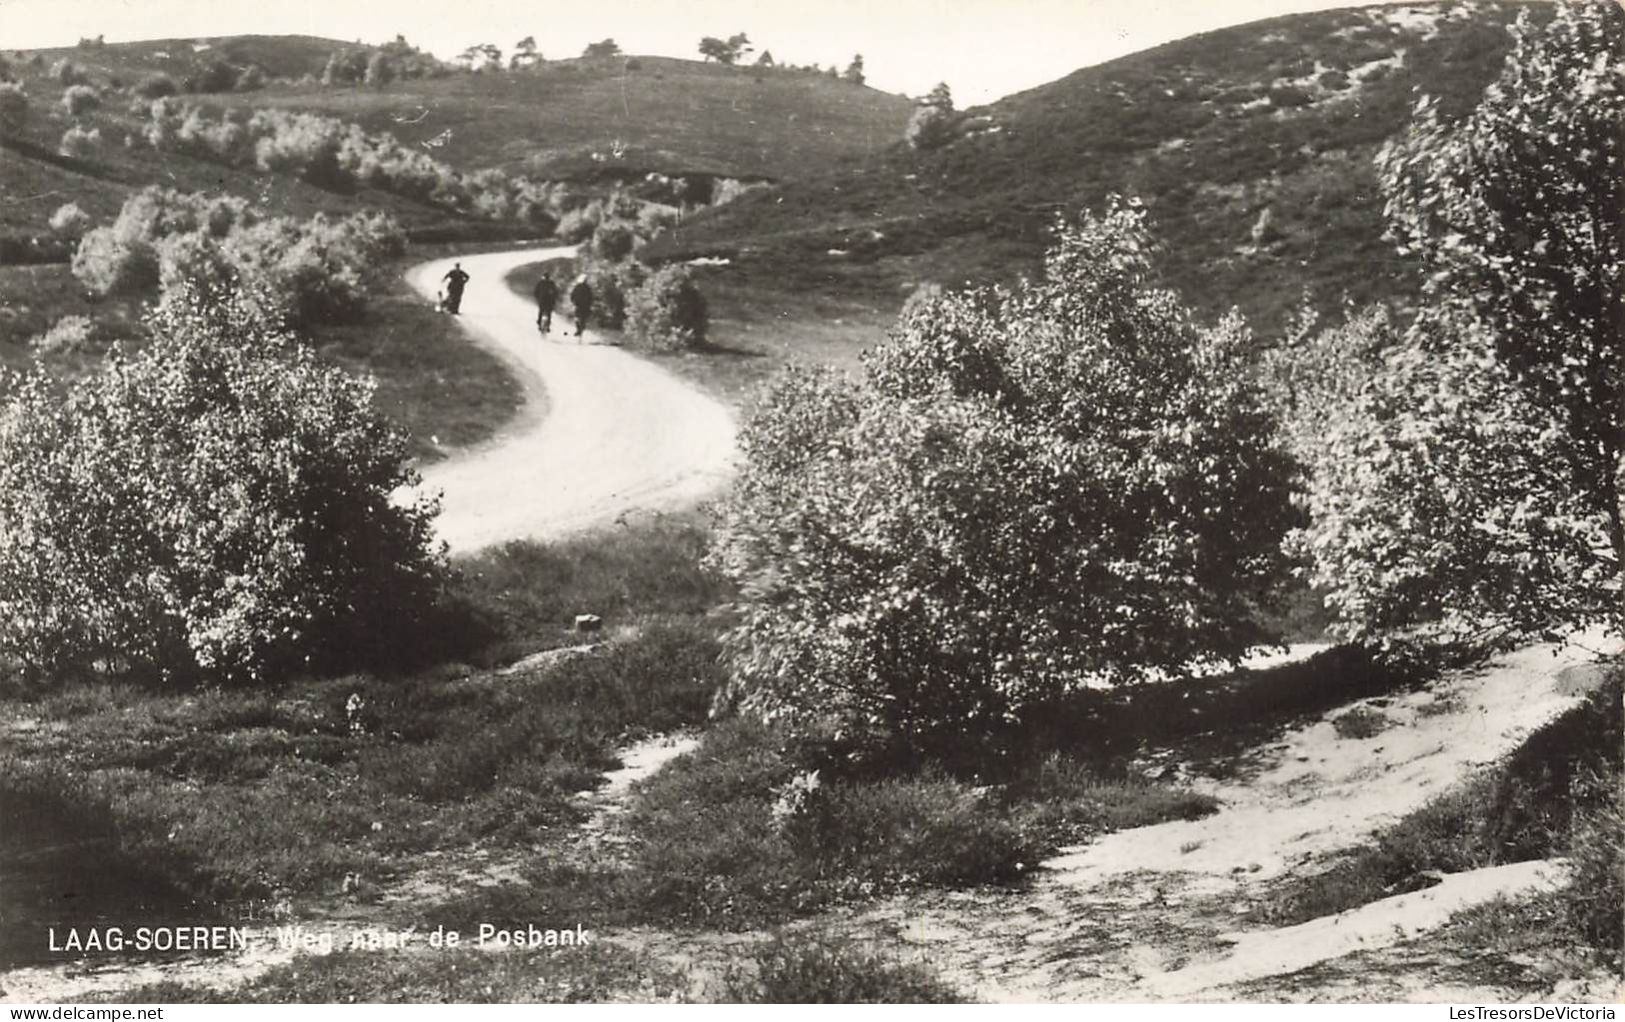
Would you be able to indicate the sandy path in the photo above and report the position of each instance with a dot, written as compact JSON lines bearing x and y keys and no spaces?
{"x":1158,"y":913}
{"x":620,"y":434}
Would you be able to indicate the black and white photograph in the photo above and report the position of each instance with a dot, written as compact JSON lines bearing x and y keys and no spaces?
{"x":1110,"y":502}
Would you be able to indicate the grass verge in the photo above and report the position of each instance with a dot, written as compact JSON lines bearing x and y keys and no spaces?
{"x":738,"y":834}
{"x":342,"y":784}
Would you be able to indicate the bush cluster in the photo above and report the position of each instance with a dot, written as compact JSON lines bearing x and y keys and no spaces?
{"x":69,"y":73}
{"x":295,"y":272}
{"x":398,"y":59}
{"x":667,"y":311}
{"x":339,"y":156}
{"x":217,"y":507}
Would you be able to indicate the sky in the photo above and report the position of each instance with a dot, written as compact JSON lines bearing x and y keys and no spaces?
{"x":983,"y":49}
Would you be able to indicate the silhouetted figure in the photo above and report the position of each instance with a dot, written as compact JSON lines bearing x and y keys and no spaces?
{"x":581,"y":299}
{"x":455,"y":280}
{"x":547,"y":296}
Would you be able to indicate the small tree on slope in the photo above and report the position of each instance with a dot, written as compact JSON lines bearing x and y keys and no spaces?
{"x":1472,"y":481}
{"x":1030,"y":491}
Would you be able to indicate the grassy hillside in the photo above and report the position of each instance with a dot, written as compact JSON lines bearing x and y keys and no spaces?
{"x":584,"y":119}
{"x":581,"y":120}
{"x":1214,"y":132}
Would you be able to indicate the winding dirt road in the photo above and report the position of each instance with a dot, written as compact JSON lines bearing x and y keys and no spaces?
{"x":620,"y":434}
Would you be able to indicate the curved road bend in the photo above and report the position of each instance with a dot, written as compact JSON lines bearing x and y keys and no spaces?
{"x":619,"y":434}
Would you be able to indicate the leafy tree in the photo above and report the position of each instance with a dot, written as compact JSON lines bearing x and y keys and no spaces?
{"x":524,"y":54}
{"x":481,"y":57}
{"x":854,"y":71}
{"x":712,"y":48}
{"x":1471,"y":479}
{"x":220,"y":506}
{"x":765,"y":59}
{"x":725,"y":51}
{"x":1030,"y":491}
{"x":933,"y":122}
{"x":602,"y":48}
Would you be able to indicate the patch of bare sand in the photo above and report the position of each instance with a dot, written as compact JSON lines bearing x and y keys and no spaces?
{"x":1151,"y":913}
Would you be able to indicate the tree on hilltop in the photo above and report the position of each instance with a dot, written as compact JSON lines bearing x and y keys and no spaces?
{"x":725,"y":51}
{"x":525,"y":54}
{"x":854,"y":71}
{"x":933,"y":122}
{"x":602,"y":48}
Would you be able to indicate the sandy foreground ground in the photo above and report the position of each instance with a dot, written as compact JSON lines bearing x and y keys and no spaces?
{"x":620,"y":434}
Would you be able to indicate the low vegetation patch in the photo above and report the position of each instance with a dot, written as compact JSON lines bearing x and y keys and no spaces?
{"x":1361,"y":722}
{"x":740,"y":833}
{"x":595,"y":973}
{"x":828,"y":970}
{"x":235,"y":797}
{"x":526,"y":594}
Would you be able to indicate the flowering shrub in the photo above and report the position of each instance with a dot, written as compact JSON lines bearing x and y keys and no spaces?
{"x":1030,"y":491}
{"x":217,"y":507}
{"x":667,"y":311}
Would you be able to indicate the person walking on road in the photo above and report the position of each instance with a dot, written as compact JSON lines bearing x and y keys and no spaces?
{"x":547,"y":296}
{"x":455,"y":280}
{"x":581,"y":299}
